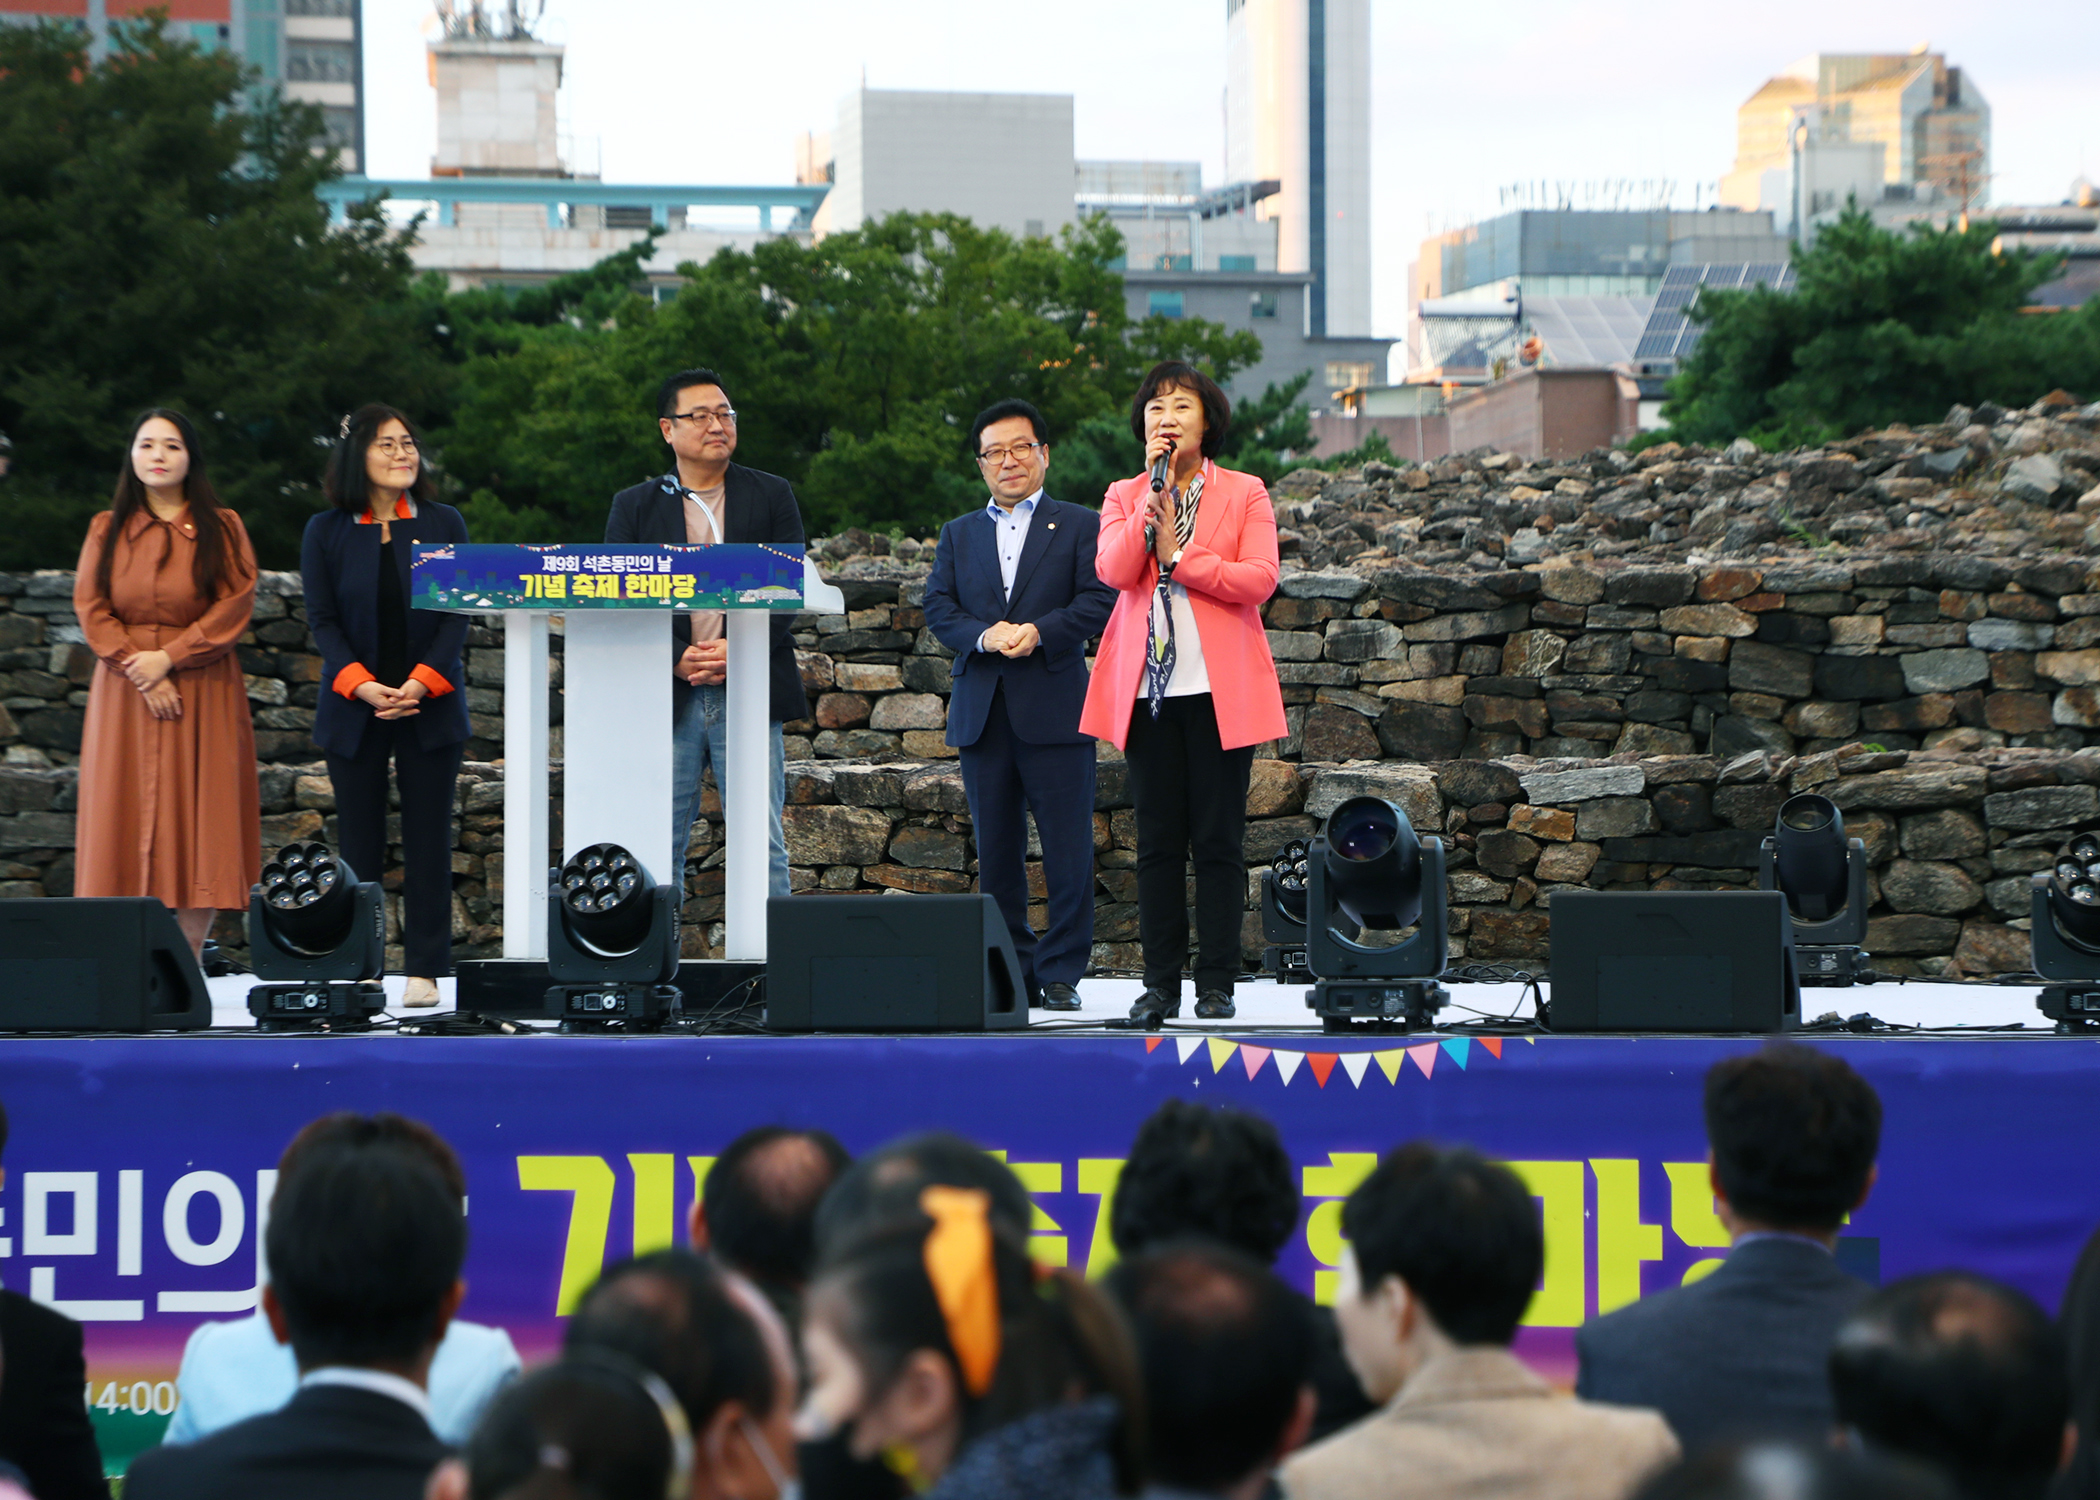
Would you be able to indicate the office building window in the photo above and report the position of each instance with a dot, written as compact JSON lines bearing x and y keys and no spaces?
{"x":1163,"y":304}
{"x":1174,"y":263}
{"x":1262,"y":305}
{"x":320,"y":7}
{"x":320,"y":62}
{"x":1235,"y":262}
{"x":1032,"y":229}
{"x":1341,"y":374}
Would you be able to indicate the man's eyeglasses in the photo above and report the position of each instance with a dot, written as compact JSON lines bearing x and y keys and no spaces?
{"x":1018,"y":452}
{"x":392,"y":446}
{"x":704,"y":417}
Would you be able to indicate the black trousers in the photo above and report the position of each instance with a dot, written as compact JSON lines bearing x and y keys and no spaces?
{"x":1191,"y":800}
{"x":429,"y":781}
{"x":1006,"y":777}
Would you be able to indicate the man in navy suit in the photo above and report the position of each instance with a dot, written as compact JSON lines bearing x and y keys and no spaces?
{"x":1014,"y":595}
{"x":1743,"y":1353}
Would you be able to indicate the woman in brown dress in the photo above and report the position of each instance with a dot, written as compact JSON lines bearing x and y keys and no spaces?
{"x":168,"y":801}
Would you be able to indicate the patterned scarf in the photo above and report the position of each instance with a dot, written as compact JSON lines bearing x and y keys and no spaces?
{"x":1159,"y":637}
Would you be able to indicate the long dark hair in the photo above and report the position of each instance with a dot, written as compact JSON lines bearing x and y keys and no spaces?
{"x":345,"y":483}
{"x":212,"y":567}
{"x":1059,"y":1337}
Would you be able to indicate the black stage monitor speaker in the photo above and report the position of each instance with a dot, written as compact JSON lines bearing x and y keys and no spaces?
{"x":1715,"y":961}
{"x":890,"y":963}
{"x":101,"y":964}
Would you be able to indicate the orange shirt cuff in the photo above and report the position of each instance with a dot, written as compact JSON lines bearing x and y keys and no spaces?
{"x":350,"y":679}
{"x":432,"y":682}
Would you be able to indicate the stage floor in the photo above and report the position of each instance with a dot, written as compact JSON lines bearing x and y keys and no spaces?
{"x":1267,"y":1006}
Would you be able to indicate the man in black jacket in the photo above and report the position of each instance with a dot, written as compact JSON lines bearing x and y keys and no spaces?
{"x":364,"y":1251}
{"x":1014,"y":595}
{"x":1742,"y":1353}
{"x":44,"y":1426}
{"x":706,"y":499}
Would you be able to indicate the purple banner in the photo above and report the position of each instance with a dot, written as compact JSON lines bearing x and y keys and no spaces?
{"x":135,"y":1167}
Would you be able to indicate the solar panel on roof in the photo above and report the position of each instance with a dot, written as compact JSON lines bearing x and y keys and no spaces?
{"x":1670,"y":332}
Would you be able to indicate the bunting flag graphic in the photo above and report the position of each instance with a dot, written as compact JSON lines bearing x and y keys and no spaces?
{"x":1392,"y":1061}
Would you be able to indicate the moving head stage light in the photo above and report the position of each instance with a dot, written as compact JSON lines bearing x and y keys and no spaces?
{"x":612,"y":944}
{"x":313,"y":923}
{"x":1823,"y":876}
{"x":1368,"y":869}
{"x":1283,"y":892}
{"x":2065,"y":906}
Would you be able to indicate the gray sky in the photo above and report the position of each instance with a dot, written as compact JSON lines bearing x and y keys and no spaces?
{"x":1466,"y":98}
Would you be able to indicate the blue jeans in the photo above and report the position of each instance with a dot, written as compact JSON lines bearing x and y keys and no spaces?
{"x":699,"y":739}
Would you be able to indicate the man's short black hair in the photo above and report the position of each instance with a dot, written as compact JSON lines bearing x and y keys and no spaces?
{"x":761,"y":1201}
{"x":672,"y":1312}
{"x":1960,"y":1371}
{"x":1226,"y":1348}
{"x":1219,"y":1173}
{"x":366,"y":1239}
{"x":885,"y":1185}
{"x":1794,"y":1133}
{"x":1217,"y":406}
{"x":999,"y":411}
{"x":1460,"y":1230}
{"x":667,"y":393}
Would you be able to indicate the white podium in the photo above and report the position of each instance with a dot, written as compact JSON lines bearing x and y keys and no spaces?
{"x":616,"y":723}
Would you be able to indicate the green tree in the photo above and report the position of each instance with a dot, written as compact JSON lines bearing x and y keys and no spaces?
{"x":161,"y":244}
{"x":1881,"y":328}
{"x":855,"y":364}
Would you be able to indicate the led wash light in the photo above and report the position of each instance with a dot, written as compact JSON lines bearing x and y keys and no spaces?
{"x":612,"y":943}
{"x":319,"y":934}
{"x":2065,"y":907}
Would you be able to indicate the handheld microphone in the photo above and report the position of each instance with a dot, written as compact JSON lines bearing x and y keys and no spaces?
{"x":1159,"y":469}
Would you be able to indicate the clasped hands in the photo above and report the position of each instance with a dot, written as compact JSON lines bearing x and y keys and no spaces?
{"x":148,"y":672}
{"x":393,"y":703}
{"x":704,"y":664}
{"x":1012,"y":640}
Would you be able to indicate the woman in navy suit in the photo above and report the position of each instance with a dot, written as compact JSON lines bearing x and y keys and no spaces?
{"x":390,"y":675}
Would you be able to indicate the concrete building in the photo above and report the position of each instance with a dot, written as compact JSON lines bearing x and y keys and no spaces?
{"x":1930,"y":120}
{"x":1298,"y":112}
{"x":1001,"y":160}
{"x":311,"y":49}
{"x":1272,"y":305}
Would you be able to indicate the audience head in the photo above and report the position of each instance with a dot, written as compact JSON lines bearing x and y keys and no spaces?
{"x":758,"y":1211}
{"x":1219,"y":1173}
{"x":1227,"y":1353}
{"x":884,"y":1186}
{"x":1793,"y":1471}
{"x":1445,"y":1249}
{"x":2079,"y":1323}
{"x":931,"y":1328}
{"x":366,"y":1239}
{"x":589,"y":1427}
{"x":720,"y":1348}
{"x":1794,"y":1133}
{"x":1957,"y":1371}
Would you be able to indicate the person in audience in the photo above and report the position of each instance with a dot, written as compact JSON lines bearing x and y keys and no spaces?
{"x":364,"y":1246}
{"x":1444,"y":1249}
{"x":1778,"y":1470}
{"x":1960,"y":1372}
{"x":1223,"y":1174}
{"x":1793,"y":1134}
{"x":235,"y":1370}
{"x":169,"y":803}
{"x":2079,"y":1323}
{"x":1227,"y":1353}
{"x":757,"y":1212}
{"x":46,"y":1437}
{"x":717,"y":1343}
{"x":887,"y":1182}
{"x":593,"y":1426}
{"x":390,"y":676}
{"x":936,"y":1343}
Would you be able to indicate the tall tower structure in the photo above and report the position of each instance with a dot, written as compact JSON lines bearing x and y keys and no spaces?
{"x":1298,"y":111}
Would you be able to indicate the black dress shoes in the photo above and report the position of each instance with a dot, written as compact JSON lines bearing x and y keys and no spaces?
{"x":1153,"y":1007}
{"x":1060,"y":997}
{"x":1214,"y":1005}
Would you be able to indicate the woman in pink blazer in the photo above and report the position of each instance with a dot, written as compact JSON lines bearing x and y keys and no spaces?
{"x":1184,"y":684}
